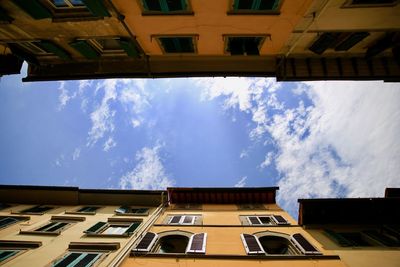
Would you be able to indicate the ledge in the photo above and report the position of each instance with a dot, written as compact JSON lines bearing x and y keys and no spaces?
{"x":69,"y":218}
{"x":80,"y":213}
{"x":39,"y":233}
{"x":19,"y":244}
{"x":236,"y":257}
{"x":94,"y":245}
{"x":225,"y":225}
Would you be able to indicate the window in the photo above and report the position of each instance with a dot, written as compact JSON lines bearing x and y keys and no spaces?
{"x":64,"y":9}
{"x":39,"y":210}
{"x":365,"y":238}
{"x":114,"y":227}
{"x":369,"y":3}
{"x":264,"y":220}
{"x":8,"y":254}
{"x":272,"y":243}
{"x":6,"y":221}
{"x":339,"y":41}
{"x":76,"y":258}
{"x":166,"y":7}
{"x":96,"y":47}
{"x":187,"y":206}
{"x":184,"y":219}
{"x":87,"y":210}
{"x":251,"y":206}
{"x":11,"y":249}
{"x":55,"y":226}
{"x":244,"y":45}
{"x":177,"y":44}
{"x":173,"y":242}
{"x":255,"y":6}
{"x":126,"y":210}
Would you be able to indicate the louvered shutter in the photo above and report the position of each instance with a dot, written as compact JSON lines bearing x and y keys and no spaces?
{"x":34,"y":8}
{"x":342,"y":241}
{"x":132,"y":228}
{"x":146,"y":242}
{"x":251,"y":244}
{"x":55,"y":49}
{"x":95,"y":228}
{"x":85,"y":49}
{"x":188,"y":220}
{"x":197,"y":243}
{"x":97,"y":8}
{"x":175,"y":220}
{"x":129,"y":47}
{"x":279,"y":220}
{"x":253,"y":220}
{"x":304,"y":246}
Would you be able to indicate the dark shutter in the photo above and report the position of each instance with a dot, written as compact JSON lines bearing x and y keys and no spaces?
{"x":55,"y":49}
{"x":188,"y":219}
{"x":325,"y":41}
{"x":253,"y":220}
{"x":197,"y":244}
{"x":380,"y":45}
{"x":95,"y":228}
{"x":129,"y":47}
{"x":85,"y":49}
{"x":23,"y":55}
{"x":132,"y":228}
{"x":280,"y":220}
{"x":351,"y":41}
{"x":338,"y":238}
{"x":7,"y":221}
{"x":251,"y":244}
{"x":382,"y":238}
{"x":123,"y":210}
{"x":34,"y":8}
{"x":304,"y":245}
{"x":147,"y":242}
{"x":97,"y":8}
{"x":175,"y":219}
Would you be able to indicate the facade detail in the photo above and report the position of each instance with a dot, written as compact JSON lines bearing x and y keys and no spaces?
{"x":291,"y":40}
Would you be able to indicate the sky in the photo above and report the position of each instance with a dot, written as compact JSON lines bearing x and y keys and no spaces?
{"x":311,"y":139}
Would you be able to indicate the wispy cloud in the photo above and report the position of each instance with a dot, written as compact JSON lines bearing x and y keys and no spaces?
{"x":267,"y":161}
{"x":76,"y":154}
{"x":64,"y":96}
{"x":110,"y":143}
{"x":242,"y":182}
{"x":149,"y":172}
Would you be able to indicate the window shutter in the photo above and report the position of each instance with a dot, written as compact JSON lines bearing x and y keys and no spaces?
{"x":132,"y":228}
{"x":147,"y":242}
{"x":85,"y":49}
{"x":351,"y":41}
{"x":188,"y":220}
{"x":55,"y":49}
{"x":95,"y":228}
{"x":122,"y":210}
{"x":129,"y":47}
{"x":324,"y":42}
{"x":97,"y":8}
{"x":253,"y":220}
{"x":7,"y":221}
{"x":175,"y":219}
{"x":251,"y":244}
{"x":34,"y":8}
{"x":342,"y":241}
{"x":197,"y":243}
{"x":21,"y":54}
{"x":280,"y":220}
{"x":304,"y":245}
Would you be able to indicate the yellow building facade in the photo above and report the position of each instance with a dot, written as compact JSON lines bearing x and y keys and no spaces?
{"x":287,"y":39}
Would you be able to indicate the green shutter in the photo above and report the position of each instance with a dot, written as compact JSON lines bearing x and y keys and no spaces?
{"x":129,"y":47}
{"x":342,"y":241}
{"x":85,"y":49}
{"x":55,"y":49}
{"x":95,"y":228}
{"x":34,"y":8}
{"x":97,"y":8}
{"x":132,"y":228}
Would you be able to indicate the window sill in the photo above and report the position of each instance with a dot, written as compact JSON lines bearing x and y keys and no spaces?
{"x":80,"y":213}
{"x":108,"y":235}
{"x":253,"y":12}
{"x":27,"y":213}
{"x":176,"y":13}
{"x":132,"y":214}
{"x":39,"y":233}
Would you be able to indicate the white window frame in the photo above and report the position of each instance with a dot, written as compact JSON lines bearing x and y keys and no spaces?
{"x":99,"y":255}
{"x":258,"y":218}
{"x":300,"y":247}
{"x":203,"y":249}
{"x":150,"y":246}
{"x":247,"y":248}
{"x":181,"y":220}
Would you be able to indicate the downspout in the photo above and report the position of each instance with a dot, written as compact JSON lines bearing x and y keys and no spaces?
{"x":138,"y":234}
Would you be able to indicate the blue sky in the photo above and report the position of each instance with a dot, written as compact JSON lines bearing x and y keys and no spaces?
{"x":320,"y":139}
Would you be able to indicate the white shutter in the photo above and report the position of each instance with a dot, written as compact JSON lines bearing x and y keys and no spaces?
{"x":197,"y":244}
{"x":251,"y":244}
{"x":146,"y":243}
{"x":304,"y":246}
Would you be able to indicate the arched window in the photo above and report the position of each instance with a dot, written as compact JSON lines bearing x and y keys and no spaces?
{"x":276,"y":245}
{"x":172,"y":244}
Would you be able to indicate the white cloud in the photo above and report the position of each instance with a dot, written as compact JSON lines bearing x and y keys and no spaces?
{"x":244,"y":154}
{"x":242,"y":182}
{"x":64,"y":96}
{"x":76,"y":154}
{"x":149,"y":172}
{"x":267,"y":161}
{"x":110,"y":143}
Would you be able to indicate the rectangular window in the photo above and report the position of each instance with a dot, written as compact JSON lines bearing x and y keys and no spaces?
{"x":177,"y":44}
{"x":8,"y":254}
{"x":88,"y":209}
{"x":55,"y":226}
{"x":126,"y":210}
{"x":251,"y":206}
{"x":114,"y":228}
{"x":187,"y":206}
{"x":52,"y":227}
{"x":244,"y":45}
{"x":349,"y":239}
{"x":165,"y":7}
{"x":339,"y":41}
{"x":183,"y":219}
{"x":369,"y":3}
{"x":75,"y":258}
{"x":264,"y":220}
{"x":255,"y":6}
{"x":10,"y":249}
{"x":37,"y":210}
{"x":6,"y":221}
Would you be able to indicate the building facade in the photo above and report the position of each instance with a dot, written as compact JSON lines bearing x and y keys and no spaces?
{"x":364,"y":232}
{"x":287,"y":39}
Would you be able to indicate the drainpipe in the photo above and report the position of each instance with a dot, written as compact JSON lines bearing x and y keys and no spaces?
{"x":125,"y":251}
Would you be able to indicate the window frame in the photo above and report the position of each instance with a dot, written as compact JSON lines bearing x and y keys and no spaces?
{"x":146,"y":12}
{"x":18,"y":252}
{"x":195,"y":217}
{"x":194,"y":38}
{"x":24,"y":211}
{"x":101,"y":255}
{"x":226,"y":37}
{"x":273,"y":220}
{"x":146,"y":213}
{"x":233,"y":11}
{"x":69,"y":221}
{"x":114,"y":222}
{"x":76,"y":211}
{"x":349,"y":4}
{"x":17,"y":219}
{"x":20,"y":246}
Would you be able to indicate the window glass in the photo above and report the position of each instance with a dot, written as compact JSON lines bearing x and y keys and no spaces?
{"x":80,"y":259}
{"x":7,"y":253}
{"x":37,"y":209}
{"x":165,"y":5}
{"x":256,"y":4}
{"x":116,"y":229}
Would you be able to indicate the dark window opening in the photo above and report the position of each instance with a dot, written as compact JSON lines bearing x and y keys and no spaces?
{"x":255,"y":5}
{"x":165,"y":6}
{"x":244,"y":45}
{"x":78,"y":259}
{"x":339,"y":41}
{"x":173,"y":244}
{"x":37,"y":209}
{"x":275,"y":244}
{"x":355,"y":239}
{"x":88,"y":209}
{"x":130,"y":210}
{"x":177,"y":44}
{"x":6,"y":254}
